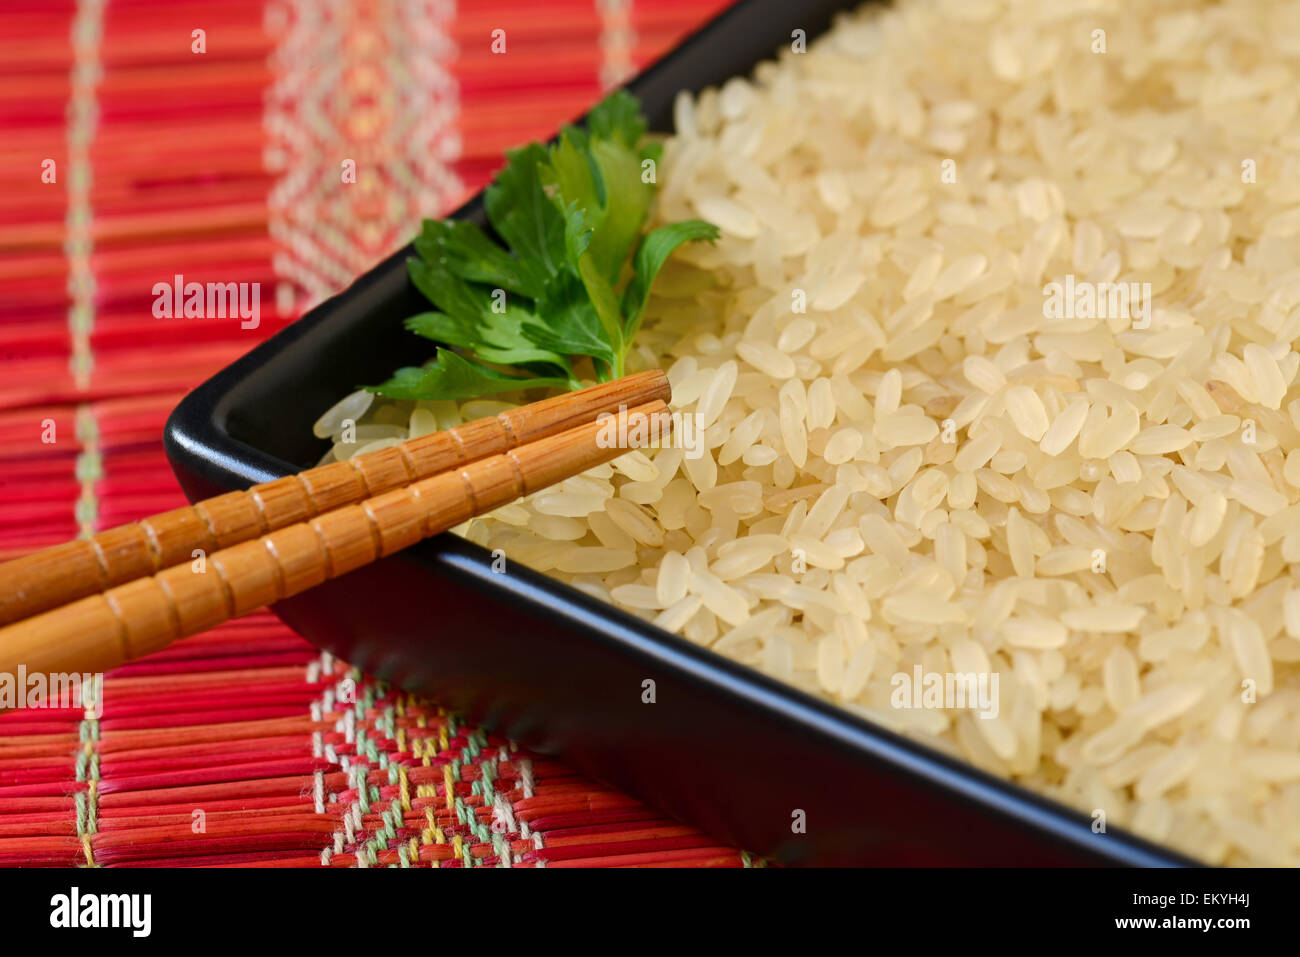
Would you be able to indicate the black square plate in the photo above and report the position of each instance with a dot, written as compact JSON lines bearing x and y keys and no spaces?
{"x":723,"y":747}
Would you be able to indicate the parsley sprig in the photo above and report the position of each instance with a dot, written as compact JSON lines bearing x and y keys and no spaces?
{"x":574,"y":275}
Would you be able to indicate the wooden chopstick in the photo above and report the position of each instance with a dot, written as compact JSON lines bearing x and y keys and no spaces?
{"x":99,"y":632}
{"x":57,"y":575}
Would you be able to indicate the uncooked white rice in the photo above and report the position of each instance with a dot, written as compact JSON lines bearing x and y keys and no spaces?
{"x":909,"y":465}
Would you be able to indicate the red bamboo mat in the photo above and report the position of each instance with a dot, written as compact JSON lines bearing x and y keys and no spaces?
{"x":144,"y":139}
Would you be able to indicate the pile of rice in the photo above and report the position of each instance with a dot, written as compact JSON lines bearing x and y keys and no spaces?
{"x":1105,"y":516}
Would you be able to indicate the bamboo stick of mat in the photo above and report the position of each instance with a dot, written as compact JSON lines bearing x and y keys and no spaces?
{"x":62,"y":573}
{"x":97,"y":633}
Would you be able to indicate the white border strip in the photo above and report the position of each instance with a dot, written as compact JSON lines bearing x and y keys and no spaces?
{"x":617,"y":42}
{"x":78,"y":242}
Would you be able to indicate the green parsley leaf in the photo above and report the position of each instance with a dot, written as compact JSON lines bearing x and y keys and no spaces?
{"x":618,"y":116}
{"x":522,"y":213}
{"x":502,"y":341}
{"x":469,"y":253}
{"x":603,"y":172}
{"x":567,"y":323}
{"x":600,"y":293}
{"x":450,"y":376}
{"x":567,"y":284}
{"x":655,"y":248}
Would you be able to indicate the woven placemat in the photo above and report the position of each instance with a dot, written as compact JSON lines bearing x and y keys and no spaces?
{"x":289,"y":143}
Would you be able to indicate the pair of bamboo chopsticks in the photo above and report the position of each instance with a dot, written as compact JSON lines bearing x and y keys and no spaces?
{"x":87,"y":606}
